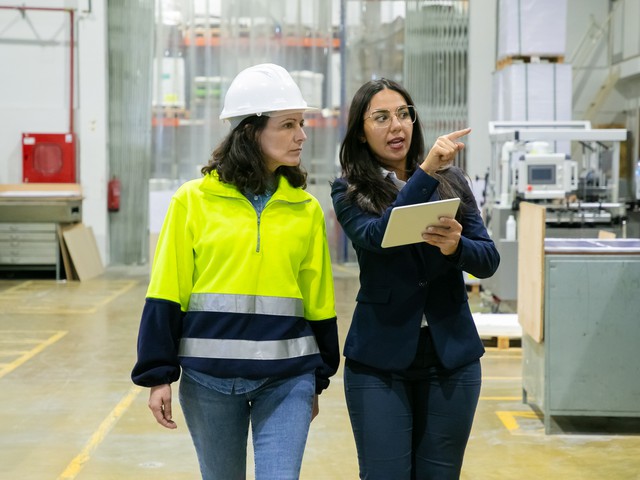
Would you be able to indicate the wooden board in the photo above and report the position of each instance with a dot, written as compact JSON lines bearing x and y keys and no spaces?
{"x":531,"y":232}
{"x":69,"y":271}
{"x":605,"y":234}
{"x":515,"y":59}
{"x":83,"y":250}
{"x":22,"y":191}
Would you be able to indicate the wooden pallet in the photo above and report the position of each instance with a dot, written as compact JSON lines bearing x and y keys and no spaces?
{"x":169,"y":116}
{"x":506,"y":61}
{"x":170,"y":112}
{"x":502,"y":342}
{"x":473,"y":288}
{"x":498,"y":330}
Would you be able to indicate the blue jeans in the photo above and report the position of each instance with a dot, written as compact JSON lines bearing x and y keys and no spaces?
{"x":412,"y":425}
{"x":279,"y":412}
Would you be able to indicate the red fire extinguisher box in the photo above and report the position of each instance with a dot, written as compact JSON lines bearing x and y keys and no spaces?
{"x":48,"y":158}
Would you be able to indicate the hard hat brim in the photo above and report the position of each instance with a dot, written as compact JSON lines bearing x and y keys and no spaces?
{"x":237,"y":120}
{"x":274,"y":113}
{"x":280,"y":113}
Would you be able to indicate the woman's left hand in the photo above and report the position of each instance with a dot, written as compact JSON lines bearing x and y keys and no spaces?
{"x":444,"y":235}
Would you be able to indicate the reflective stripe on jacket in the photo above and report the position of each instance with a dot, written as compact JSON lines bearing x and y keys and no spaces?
{"x":234,"y":294}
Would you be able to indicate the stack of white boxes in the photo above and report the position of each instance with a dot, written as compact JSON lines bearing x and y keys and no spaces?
{"x":533,"y":92}
{"x":531,"y":82}
{"x":532,"y":28}
{"x":169,"y":82}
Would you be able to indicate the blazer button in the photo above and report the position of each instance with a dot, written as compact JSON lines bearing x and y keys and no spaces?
{"x":422,"y":283}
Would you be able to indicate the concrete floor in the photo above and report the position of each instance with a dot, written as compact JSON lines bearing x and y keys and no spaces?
{"x":68,"y":409}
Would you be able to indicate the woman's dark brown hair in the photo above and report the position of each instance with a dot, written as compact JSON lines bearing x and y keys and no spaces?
{"x":361,"y":168}
{"x":239,"y":160}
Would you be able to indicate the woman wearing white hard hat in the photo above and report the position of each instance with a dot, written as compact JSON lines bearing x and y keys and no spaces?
{"x":241,"y":294}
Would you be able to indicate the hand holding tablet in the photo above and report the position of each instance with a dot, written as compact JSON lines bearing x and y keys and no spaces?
{"x":407,"y":223}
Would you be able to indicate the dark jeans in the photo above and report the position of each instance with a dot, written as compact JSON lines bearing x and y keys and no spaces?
{"x":412,"y":425}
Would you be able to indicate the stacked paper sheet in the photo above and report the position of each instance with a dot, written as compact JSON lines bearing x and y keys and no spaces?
{"x":532,"y":28}
{"x":533,"y":92}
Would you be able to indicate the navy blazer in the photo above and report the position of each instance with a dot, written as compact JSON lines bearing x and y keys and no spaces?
{"x":399,"y":284}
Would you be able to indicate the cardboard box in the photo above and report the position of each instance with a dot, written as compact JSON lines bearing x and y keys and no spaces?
{"x":80,"y":254}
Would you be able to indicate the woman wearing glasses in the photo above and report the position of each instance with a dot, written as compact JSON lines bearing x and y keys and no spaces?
{"x":412,"y":374}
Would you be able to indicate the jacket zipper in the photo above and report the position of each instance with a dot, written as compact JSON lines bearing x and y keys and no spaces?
{"x":260,"y":216}
{"x":258,"y":233}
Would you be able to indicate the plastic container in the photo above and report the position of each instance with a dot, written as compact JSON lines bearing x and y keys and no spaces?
{"x":511,"y":228}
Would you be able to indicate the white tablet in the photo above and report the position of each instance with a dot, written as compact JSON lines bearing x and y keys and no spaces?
{"x":407,"y":223}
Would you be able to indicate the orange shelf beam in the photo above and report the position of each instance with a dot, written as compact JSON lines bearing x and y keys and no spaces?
{"x":215,"y":41}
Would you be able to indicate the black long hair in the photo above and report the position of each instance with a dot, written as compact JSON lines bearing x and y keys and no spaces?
{"x":361,"y":168}
{"x":239,"y":160}
{"x":454,"y":182}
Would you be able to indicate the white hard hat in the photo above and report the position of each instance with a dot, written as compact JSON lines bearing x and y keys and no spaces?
{"x":261,"y":90}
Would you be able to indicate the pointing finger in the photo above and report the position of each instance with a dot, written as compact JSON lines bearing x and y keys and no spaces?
{"x":453,"y":136}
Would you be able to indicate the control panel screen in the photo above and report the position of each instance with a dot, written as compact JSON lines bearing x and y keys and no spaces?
{"x":542,"y":174}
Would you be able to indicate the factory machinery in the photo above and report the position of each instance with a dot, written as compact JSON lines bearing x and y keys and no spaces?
{"x":567,"y":167}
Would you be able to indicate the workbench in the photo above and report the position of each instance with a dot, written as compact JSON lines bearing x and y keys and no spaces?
{"x":30,"y":218}
{"x":580,"y":312}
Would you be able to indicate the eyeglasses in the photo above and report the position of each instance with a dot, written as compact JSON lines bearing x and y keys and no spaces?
{"x":406,"y":115}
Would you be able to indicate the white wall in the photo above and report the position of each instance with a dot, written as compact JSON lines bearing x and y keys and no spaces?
{"x":481,"y":64}
{"x":35,"y":90}
{"x":34,"y":83}
{"x":92,"y":122}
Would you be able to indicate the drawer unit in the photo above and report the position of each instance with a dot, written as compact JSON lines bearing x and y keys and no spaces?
{"x":28,"y":244}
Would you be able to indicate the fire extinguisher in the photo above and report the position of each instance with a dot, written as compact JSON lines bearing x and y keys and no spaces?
{"x":113,"y":194}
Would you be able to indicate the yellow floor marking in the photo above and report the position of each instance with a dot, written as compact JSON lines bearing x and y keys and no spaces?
{"x":509,"y":418}
{"x":501,"y":399}
{"x":125,"y":288}
{"x":31,"y":353}
{"x":44,"y":298}
{"x":105,"y":427}
{"x":507,"y":355}
{"x":501,"y":378}
{"x":513,"y":351}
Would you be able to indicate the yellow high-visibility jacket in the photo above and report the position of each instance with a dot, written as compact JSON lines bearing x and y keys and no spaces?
{"x":237,"y":294}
